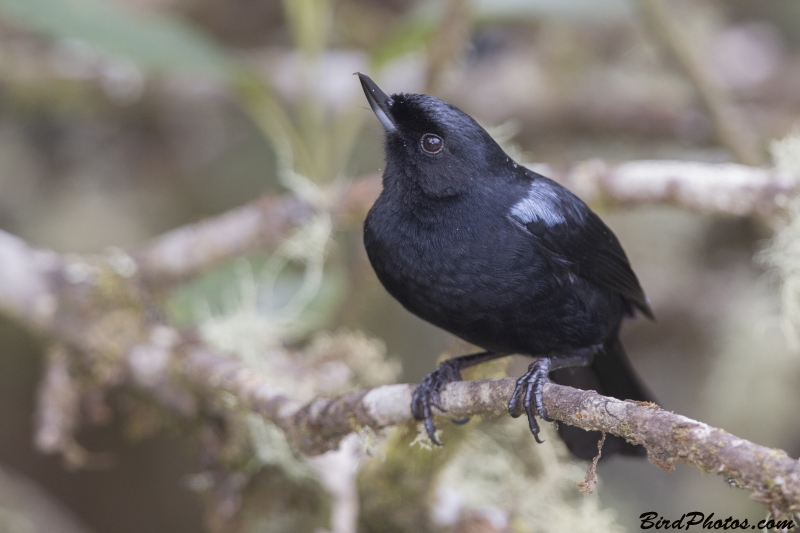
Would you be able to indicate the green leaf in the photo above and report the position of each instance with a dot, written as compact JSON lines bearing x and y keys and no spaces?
{"x":154,"y":42}
{"x":413,"y":34}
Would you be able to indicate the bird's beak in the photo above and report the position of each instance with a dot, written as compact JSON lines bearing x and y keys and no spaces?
{"x":379,"y":101}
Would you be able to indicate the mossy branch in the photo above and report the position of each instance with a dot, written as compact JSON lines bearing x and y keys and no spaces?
{"x":772,"y":476}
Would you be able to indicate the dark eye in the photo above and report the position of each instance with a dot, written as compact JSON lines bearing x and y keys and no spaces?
{"x":432,"y":143}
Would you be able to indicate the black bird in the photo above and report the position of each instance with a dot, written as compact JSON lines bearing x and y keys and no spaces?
{"x":506,"y":259}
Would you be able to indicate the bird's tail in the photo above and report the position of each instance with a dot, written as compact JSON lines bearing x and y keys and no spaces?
{"x":610,"y":374}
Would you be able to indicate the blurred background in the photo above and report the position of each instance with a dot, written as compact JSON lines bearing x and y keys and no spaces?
{"x":122,"y":119}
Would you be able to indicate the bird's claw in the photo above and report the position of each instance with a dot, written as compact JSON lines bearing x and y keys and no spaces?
{"x":427,"y":395}
{"x":531,"y":384}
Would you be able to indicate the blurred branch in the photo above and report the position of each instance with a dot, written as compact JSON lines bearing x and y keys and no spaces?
{"x":26,"y":291}
{"x":448,"y":43}
{"x":732,"y":130}
{"x":58,"y":405}
{"x":719,"y":189}
{"x":724,"y":189}
{"x":189,"y":250}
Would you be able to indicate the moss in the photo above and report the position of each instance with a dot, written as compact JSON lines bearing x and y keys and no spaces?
{"x":275,"y":503}
{"x":497,"y":473}
{"x":396,"y":491}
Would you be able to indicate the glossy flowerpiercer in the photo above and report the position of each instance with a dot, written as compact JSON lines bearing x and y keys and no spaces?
{"x":506,"y":259}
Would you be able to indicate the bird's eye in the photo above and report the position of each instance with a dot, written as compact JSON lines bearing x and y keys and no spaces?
{"x":432,"y":143}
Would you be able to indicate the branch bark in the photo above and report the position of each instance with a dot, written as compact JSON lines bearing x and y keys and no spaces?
{"x":772,"y":476}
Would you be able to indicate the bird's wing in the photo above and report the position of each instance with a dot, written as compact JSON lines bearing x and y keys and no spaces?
{"x":577,"y":239}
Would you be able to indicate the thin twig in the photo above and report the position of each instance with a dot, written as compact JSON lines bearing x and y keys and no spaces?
{"x":730,"y":126}
{"x":587,"y":485}
{"x":448,"y":43}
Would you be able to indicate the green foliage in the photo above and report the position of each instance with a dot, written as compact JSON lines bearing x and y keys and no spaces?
{"x":409,"y":37}
{"x":310,"y":21}
{"x":158,"y":43}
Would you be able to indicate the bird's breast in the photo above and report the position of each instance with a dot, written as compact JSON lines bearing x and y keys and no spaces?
{"x":452,"y":273}
{"x":484,"y":281}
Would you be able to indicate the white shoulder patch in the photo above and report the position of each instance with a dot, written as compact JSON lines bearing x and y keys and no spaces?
{"x":541,"y":203}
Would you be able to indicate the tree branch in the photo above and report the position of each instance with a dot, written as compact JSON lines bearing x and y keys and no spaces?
{"x":188,"y":250}
{"x":730,"y":126}
{"x":717,"y":189}
{"x":725,"y":189}
{"x":669,"y":438}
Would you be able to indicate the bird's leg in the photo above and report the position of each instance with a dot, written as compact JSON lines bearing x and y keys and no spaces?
{"x":533,"y":381}
{"x":427,"y":392}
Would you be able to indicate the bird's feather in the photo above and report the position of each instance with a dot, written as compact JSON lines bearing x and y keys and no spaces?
{"x":578,"y":240}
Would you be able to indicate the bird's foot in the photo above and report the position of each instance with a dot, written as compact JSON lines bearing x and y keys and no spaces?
{"x":531,"y":384}
{"x":426,"y":395}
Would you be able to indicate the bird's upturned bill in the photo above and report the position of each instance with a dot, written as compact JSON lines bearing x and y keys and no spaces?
{"x":465,"y":238}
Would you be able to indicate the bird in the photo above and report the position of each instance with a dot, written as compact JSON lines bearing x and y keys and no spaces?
{"x":508,"y":260}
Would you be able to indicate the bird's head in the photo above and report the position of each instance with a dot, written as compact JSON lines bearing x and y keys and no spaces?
{"x":433,"y":143}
